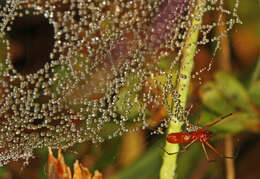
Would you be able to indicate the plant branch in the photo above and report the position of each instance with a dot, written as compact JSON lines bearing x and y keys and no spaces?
{"x":169,"y":164}
{"x":230,"y":174}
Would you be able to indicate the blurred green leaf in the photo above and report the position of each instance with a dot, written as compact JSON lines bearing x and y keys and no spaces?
{"x":128,"y":95}
{"x":146,"y":167}
{"x":233,"y":91}
{"x":70,"y":158}
{"x":256,"y":74}
{"x":213,"y":99}
{"x":255,"y":93}
{"x":3,"y":172}
{"x":248,"y":10}
{"x":238,"y":122}
{"x":223,"y":96}
{"x":109,"y":154}
{"x":258,"y":30}
{"x":188,"y":160}
{"x":3,"y":66}
{"x":254,"y":89}
{"x":63,"y":75}
{"x":164,"y":62}
{"x":42,"y":154}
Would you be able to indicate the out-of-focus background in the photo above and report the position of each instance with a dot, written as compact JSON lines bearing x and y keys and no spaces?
{"x":138,"y":155}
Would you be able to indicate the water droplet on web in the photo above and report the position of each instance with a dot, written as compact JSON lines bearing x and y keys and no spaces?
{"x":101,"y":71}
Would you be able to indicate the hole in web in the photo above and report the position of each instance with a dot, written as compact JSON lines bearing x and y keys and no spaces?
{"x":31,"y":42}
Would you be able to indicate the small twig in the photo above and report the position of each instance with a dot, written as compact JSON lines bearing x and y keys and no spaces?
{"x":230,"y":174}
{"x":224,"y":55}
{"x":225,"y":65}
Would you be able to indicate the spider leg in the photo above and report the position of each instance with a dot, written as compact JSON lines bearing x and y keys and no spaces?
{"x":217,"y":120}
{"x":188,"y":145}
{"x":205,"y":151}
{"x":181,"y":151}
{"x":213,"y":149}
{"x":219,"y":154}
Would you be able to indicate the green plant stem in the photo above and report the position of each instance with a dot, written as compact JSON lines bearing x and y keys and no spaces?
{"x":169,"y":164}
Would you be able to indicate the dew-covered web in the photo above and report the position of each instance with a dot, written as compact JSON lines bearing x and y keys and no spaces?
{"x":111,"y":69}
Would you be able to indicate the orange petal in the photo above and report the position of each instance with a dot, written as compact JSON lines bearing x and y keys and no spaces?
{"x":57,"y":169}
{"x":97,"y":175}
{"x":81,"y":172}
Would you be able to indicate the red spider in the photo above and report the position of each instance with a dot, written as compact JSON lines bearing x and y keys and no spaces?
{"x":198,"y":135}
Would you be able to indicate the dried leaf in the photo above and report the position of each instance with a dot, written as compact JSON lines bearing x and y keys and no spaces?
{"x":80,"y":172}
{"x":57,"y":169}
{"x":97,"y":175}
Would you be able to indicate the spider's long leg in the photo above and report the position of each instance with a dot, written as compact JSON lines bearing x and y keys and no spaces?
{"x":205,"y":151}
{"x":219,"y":154}
{"x":183,"y":150}
{"x":212,"y":148}
{"x":217,"y":120}
{"x":188,"y":145}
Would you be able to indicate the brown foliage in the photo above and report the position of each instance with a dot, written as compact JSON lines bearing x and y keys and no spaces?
{"x":57,"y":169}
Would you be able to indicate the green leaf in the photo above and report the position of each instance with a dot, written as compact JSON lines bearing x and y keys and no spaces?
{"x":258,"y":30}
{"x":248,"y":10}
{"x":128,"y":95}
{"x":146,"y":167}
{"x":63,"y":75}
{"x":188,"y":160}
{"x":42,"y":153}
{"x":213,"y":99}
{"x":233,"y":91}
{"x":254,"y":92}
{"x":226,"y":95}
{"x":236,"y":123}
{"x":254,"y":89}
{"x":164,"y":62}
{"x":3,"y":65}
{"x":3,"y":172}
{"x":109,"y":155}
